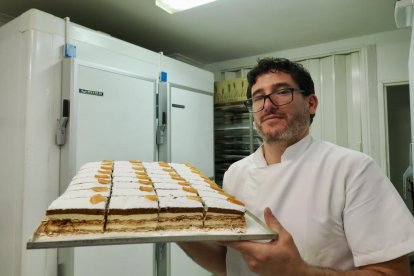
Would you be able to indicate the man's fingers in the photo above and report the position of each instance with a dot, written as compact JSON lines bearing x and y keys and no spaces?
{"x":241,"y":246}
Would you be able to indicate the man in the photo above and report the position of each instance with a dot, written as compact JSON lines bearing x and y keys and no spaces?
{"x":334,"y":210}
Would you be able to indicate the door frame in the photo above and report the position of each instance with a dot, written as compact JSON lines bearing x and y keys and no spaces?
{"x":384,"y":103}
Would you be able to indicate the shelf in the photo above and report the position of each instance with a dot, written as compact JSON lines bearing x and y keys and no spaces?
{"x":231,"y":106}
{"x":234,"y":136}
{"x":233,"y":128}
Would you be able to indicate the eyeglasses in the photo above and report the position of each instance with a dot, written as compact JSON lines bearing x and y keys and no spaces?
{"x":278,"y":97}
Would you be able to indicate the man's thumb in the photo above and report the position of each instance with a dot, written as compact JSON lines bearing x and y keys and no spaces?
{"x":272,"y":221}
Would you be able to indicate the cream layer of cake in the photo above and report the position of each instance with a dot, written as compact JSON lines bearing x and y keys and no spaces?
{"x":180,"y":213}
{"x":132,"y":213}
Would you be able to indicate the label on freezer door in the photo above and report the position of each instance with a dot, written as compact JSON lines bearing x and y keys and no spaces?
{"x":90,"y":92}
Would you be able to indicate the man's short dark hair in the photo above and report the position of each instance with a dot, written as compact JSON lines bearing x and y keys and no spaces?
{"x":298,"y":73}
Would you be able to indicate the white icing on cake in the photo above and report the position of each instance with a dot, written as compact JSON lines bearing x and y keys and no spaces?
{"x":167,"y":186}
{"x":211,"y":193}
{"x":84,"y":193}
{"x":179,"y":202}
{"x":214,"y":202}
{"x":131,"y":192}
{"x":132,"y":202}
{"x":125,"y":179}
{"x":62,"y":203}
{"x":86,"y":186}
{"x":174,"y":193}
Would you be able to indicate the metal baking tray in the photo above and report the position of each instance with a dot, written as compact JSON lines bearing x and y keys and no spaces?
{"x":256,"y":230}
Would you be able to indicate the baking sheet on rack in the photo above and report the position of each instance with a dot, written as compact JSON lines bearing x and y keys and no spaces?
{"x":256,"y":230}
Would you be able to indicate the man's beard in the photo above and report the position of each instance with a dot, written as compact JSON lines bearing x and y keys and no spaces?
{"x":295,"y":127}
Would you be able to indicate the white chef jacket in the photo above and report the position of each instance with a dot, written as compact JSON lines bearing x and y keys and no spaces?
{"x":339,"y":207}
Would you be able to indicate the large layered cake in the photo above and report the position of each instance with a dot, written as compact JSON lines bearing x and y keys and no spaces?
{"x":135,"y":196}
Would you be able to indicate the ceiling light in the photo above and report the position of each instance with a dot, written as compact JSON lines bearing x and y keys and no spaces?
{"x":172,"y":6}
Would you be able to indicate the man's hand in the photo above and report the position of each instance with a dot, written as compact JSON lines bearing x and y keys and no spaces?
{"x":281,"y":257}
{"x":277,"y":257}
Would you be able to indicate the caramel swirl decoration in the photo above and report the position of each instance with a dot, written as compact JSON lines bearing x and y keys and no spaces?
{"x":143,"y":177}
{"x":107,"y":162}
{"x":235,"y":201}
{"x":145,"y":182}
{"x":196,"y":198}
{"x":104,"y":171}
{"x":183,"y":183}
{"x":151,"y":197}
{"x":163,"y":164}
{"x":104,"y":181}
{"x":190,"y":190}
{"x":103,"y":176}
{"x":106,"y":167}
{"x":96,"y":199}
{"x":99,"y":189}
{"x":146,"y":189}
{"x":141,"y":173}
{"x":226,"y":194}
{"x":138,"y":168}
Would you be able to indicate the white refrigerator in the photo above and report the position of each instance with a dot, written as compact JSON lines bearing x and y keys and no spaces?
{"x":70,"y":95}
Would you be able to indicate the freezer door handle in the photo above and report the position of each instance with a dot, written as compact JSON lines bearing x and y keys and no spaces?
{"x":62,"y":124}
{"x":178,"y":106}
{"x":161,"y":129}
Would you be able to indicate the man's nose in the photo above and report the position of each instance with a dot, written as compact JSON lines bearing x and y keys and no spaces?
{"x":268,"y":104}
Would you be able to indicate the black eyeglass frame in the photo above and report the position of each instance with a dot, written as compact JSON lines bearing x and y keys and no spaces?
{"x":249,"y":102}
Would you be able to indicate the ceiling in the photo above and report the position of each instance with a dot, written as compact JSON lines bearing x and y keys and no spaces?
{"x":222,"y":30}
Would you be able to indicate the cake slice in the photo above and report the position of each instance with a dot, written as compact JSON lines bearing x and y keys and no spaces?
{"x":132,"y":213}
{"x":178,"y":213}
{"x":75,"y":215}
{"x":224,"y":214}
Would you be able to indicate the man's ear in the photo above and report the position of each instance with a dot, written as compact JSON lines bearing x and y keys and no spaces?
{"x":313,"y":103}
